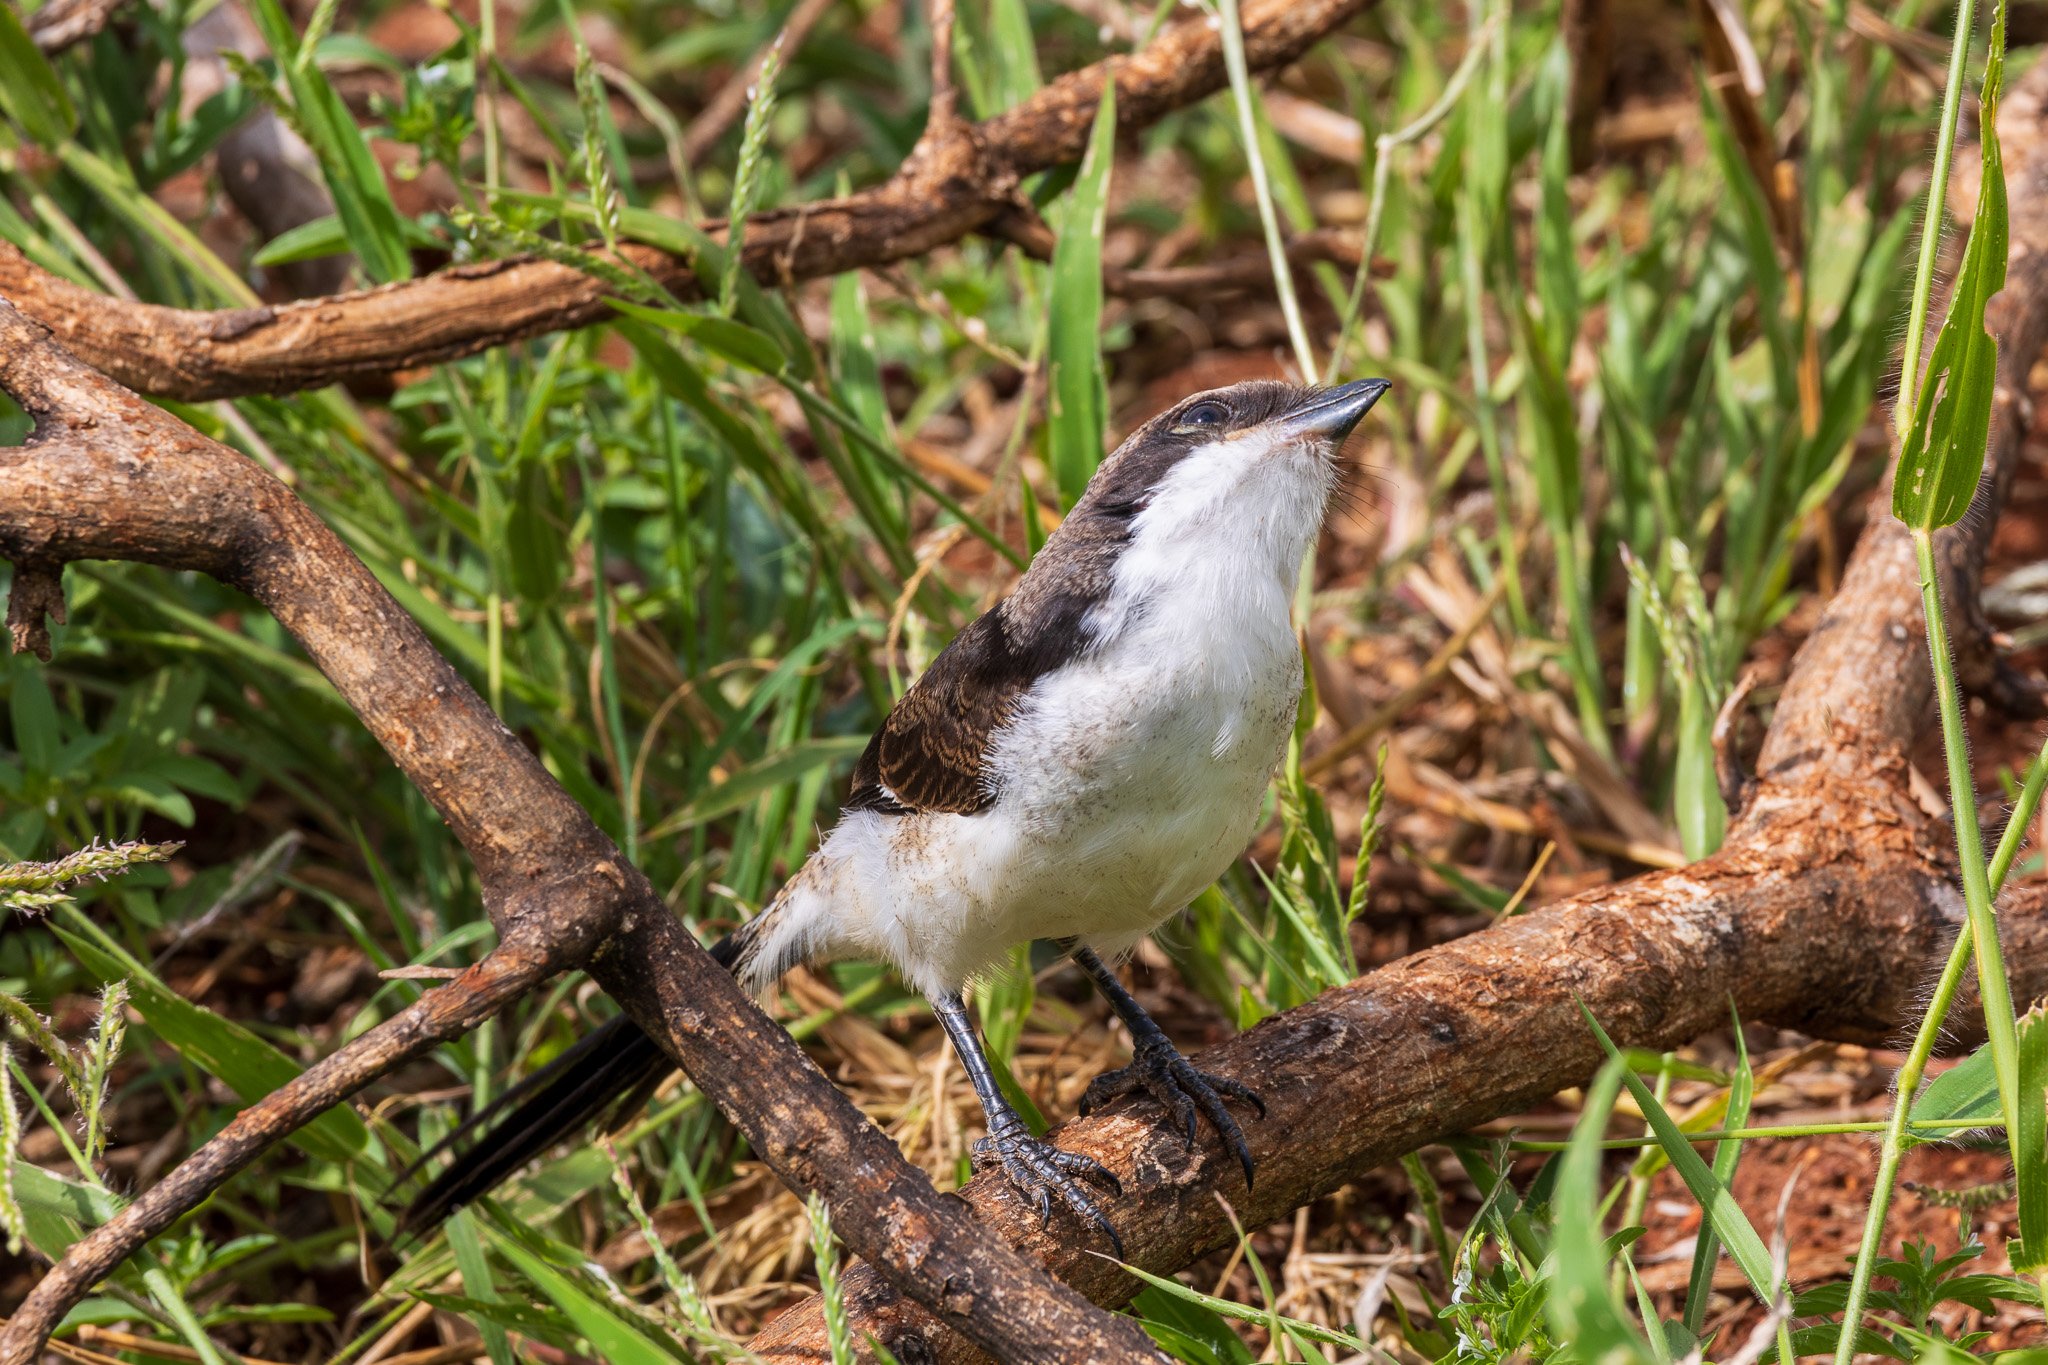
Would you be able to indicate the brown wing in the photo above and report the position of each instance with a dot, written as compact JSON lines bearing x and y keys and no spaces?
{"x":930,"y":754}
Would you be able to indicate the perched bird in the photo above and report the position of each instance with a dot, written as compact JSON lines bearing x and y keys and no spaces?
{"x":1077,"y":765}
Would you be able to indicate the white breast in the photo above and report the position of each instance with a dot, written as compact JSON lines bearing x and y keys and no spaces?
{"x":1128,"y":780}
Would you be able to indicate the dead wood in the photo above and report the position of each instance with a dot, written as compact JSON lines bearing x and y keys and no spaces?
{"x":62,"y":24}
{"x":1824,"y":912}
{"x":106,"y":475}
{"x":961,"y":177}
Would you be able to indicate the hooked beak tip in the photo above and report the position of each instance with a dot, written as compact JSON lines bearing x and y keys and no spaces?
{"x":1332,"y":413}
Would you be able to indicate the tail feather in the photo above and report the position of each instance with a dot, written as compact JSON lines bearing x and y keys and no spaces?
{"x":604,"y":1076}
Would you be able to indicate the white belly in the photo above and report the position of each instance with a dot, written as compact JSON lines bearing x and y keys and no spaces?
{"x":1125,"y":790}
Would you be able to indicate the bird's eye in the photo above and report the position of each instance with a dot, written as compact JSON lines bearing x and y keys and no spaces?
{"x":1209,"y":414}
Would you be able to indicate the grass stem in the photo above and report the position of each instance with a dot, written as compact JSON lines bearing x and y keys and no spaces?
{"x":1980,"y":885}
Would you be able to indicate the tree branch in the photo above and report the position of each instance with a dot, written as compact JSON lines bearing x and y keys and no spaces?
{"x":62,"y":24}
{"x":1821,"y":913}
{"x":106,"y":475}
{"x":960,"y":179}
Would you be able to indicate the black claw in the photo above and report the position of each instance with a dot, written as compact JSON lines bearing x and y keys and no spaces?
{"x":1037,"y":1170}
{"x":1161,"y":1072}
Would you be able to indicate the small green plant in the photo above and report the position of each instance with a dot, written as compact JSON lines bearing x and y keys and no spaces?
{"x":33,"y":888}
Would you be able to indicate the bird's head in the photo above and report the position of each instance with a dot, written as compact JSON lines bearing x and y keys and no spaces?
{"x":1218,"y":497}
{"x":1254,"y":463}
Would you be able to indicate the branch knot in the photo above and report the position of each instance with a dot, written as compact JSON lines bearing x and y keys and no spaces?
{"x":37,"y":599}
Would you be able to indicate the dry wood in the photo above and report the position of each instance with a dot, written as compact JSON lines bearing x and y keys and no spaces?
{"x":62,"y":24}
{"x":106,"y":475}
{"x":1824,"y":911}
{"x":959,"y":179}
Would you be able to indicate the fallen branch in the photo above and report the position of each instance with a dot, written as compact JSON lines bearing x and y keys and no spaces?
{"x":1822,"y":913}
{"x":63,"y":24}
{"x":106,"y":475}
{"x":960,"y":179}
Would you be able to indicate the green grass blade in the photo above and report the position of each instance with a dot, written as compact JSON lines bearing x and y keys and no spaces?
{"x":617,"y":1340}
{"x":361,"y":198}
{"x":1944,"y":449}
{"x":759,"y":778}
{"x":30,"y":92}
{"x":1078,"y":401}
{"x":2030,"y":1145}
{"x":1582,"y":1305}
{"x":1727,"y":1152}
{"x":1726,"y":1217}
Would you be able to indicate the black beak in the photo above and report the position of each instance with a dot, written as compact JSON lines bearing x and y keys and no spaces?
{"x":1332,"y":413}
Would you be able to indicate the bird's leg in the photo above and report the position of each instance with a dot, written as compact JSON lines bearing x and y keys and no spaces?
{"x":1035,"y":1167}
{"x":1158,"y":1070}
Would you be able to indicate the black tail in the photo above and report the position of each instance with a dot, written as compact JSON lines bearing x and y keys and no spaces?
{"x":605,"y":1076}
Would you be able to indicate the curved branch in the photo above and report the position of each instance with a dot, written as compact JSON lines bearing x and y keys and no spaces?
{"x":1822,"y":913}
{"x":960,"y":178}
{"x":106,"y":475}
{"x":447,"y":1012}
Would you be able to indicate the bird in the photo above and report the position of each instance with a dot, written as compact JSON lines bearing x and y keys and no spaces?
{"x":1077,"y":765}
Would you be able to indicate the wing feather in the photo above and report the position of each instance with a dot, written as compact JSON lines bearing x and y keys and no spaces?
{"x":931,"y":754}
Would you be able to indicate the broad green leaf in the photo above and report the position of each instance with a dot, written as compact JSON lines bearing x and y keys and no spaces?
{"x":1078,"y":403}
{"x":34,"y":713}
{"x":1944,"y":450}
{"x":1190,"y":1323}
{"x":29,"y":90}
{"x":1244,"y":1312}
{"x":59,"y":1210}
{"x":1967,"y":1090}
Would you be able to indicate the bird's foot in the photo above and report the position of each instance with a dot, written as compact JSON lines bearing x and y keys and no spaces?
{"x":1038,"y":1171}
{"x":1157,"y":1069}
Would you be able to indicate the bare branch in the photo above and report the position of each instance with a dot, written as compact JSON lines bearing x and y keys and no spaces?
{"x":107,"y":476}
{"x":38,"y":592}
{"x":958,"y":181}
